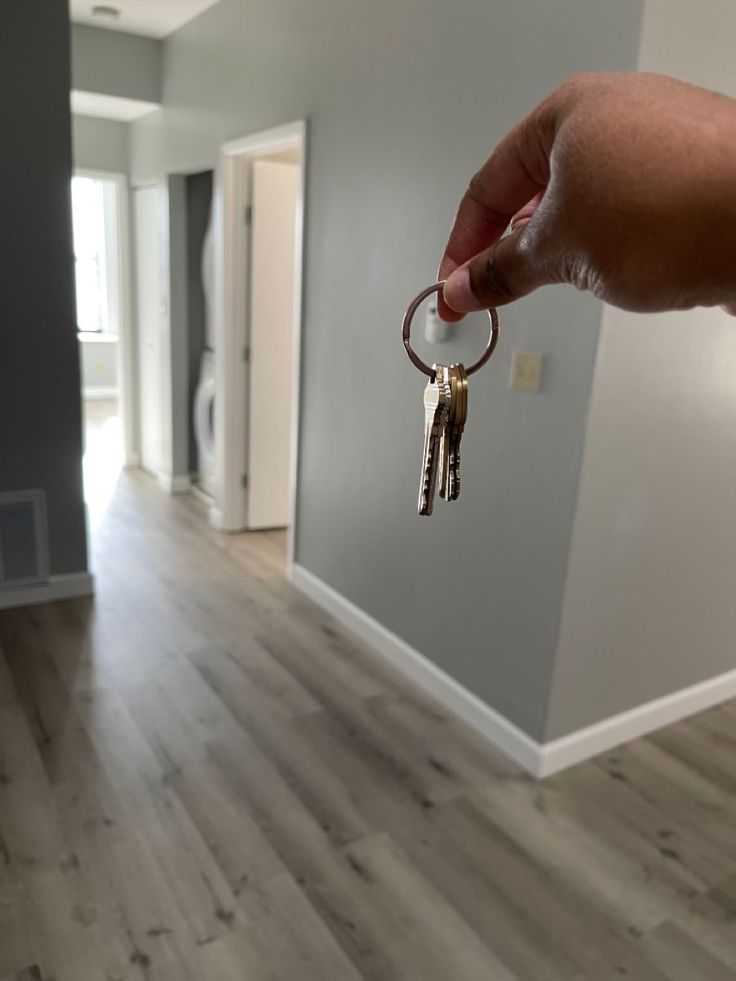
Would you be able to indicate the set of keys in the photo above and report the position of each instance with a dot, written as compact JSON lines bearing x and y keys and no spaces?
{"x":445,"y":412}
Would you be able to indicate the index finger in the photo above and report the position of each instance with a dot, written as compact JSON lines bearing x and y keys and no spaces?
{"x":516,"y":171}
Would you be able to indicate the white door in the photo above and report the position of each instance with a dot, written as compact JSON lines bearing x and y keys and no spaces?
{"x":151,"y":319}
{"x":270,"y":390}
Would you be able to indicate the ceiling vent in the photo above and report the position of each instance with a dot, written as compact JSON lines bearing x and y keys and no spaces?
{"x":24,"y":553}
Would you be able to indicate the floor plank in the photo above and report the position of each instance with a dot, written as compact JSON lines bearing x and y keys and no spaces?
{"x":203,"y":776}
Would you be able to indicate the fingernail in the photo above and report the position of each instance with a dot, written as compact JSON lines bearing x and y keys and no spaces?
{"x":457,"y":292}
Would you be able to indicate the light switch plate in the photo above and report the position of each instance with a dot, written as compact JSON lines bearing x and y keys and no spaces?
{"x":436,"y":331}
{"x":526,"y":371}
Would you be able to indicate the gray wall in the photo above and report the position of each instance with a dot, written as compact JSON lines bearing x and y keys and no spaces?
{"x":113,"y":63}
{"x":41,"y":432}
{"x":199,"y":201}
{"x":179,"y":318}
{"x":100,"y":144}
{"x":404,"y":102}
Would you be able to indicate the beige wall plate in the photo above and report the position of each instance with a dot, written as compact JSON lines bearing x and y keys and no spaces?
{"x":526,"y":371}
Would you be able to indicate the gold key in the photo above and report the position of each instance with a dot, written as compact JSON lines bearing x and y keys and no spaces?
{"x":456,"y":425}
{"x":436,"y":405}
{"x":445,"y":463}
{"x":456,"y":384}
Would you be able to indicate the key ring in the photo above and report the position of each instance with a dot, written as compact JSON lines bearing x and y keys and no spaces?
{"x":406,"y":332}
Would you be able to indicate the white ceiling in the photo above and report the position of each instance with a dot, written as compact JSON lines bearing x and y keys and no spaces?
{"x":153,"y":18}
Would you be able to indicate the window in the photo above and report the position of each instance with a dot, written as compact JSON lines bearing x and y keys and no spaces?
{"x":88,"y":215}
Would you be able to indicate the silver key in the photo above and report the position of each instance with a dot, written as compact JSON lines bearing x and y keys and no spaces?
{"x":436,"y":405}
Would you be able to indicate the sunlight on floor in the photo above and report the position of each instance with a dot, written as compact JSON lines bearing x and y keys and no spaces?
{"x":103,"y":457}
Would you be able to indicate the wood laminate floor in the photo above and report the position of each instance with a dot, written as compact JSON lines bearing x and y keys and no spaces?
{"x":205,"y":778}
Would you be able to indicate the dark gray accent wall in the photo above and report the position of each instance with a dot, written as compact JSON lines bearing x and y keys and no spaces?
{"x":199,"y":202}
{"x":40,"y":413}
{"x":114,"y":63}
{"x":404,"y":102}
{"x":179,"y":321}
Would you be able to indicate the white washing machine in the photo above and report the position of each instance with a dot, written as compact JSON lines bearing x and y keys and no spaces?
{"x":204,"y":422}
{"x":204,"y":398}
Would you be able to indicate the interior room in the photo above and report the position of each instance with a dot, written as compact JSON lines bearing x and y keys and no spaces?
{"x":260,"y":719}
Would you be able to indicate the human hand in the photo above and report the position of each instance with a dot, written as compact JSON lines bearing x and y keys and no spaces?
{"x":620,"y":184}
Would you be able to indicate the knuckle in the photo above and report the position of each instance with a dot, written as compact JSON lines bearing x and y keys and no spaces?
{"x":578,"y":88}
{"x":578,"y":82}
{"x":478,"y":193}
{"x":489,"y":281}
{"x":476,"y":187}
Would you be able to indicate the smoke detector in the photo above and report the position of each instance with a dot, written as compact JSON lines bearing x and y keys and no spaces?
{"x":103,"y":12}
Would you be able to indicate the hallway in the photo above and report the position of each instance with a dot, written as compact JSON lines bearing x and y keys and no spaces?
{"x":103,"y":456}
{"x":204,"y":777}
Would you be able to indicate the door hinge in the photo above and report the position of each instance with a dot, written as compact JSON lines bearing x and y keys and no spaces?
{"x":246,"y":353}
{"x":244,"y":481}
{"x":248,"y":214}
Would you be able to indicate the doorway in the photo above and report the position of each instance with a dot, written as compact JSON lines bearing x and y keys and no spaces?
{"x":99,"y":213}
{"x":261,"y":238}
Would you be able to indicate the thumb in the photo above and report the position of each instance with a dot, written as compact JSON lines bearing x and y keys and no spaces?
{"x":502,"y":273}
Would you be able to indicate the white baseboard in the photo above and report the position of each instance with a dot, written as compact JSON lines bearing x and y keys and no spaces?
{"x":539,"y":759}
{"x":175,"y":484}
{"x":558,"y":754}
{"x":202,"y":496}
{"x":67,"y":586}
{"x":217,"y":520}
{"x":496,"y":728}
{"x":100,"y":392}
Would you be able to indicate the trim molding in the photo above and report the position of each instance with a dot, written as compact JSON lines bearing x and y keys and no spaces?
{"x":201,"y":495}
{"x":233,"y":193}
{"x":93,"y":392}
{"x":175,"y":483}
{"x":503,"y":734}
{"x":70,"y":585}
{"x":558,"y":754}
{"x":539,"y":759}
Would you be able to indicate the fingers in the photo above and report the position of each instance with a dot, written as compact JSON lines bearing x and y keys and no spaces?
{"x":506,"y":271}
{"x":524,"y":214}
{"x":514,"y":176}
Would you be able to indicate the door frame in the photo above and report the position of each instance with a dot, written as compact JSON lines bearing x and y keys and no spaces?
{"x":126,"y":358}
{"x":232,"y":200}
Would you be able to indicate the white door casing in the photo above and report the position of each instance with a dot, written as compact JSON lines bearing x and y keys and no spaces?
{"x":232,"y":246}
{"x":274,"y":196}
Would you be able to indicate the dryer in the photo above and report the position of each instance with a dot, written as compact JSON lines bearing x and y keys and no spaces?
{"x":204,"y":397}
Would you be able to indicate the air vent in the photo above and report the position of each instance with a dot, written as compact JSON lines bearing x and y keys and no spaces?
{"x":23,"y":539}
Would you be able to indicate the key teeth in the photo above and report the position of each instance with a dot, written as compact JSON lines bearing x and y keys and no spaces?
{"x":426,"y":495}
{"x":435,"y":419}
{"x":456,"y":485}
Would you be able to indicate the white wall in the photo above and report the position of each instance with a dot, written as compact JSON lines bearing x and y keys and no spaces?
{"x":649,"y":601}
{"x":99,"y":361}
